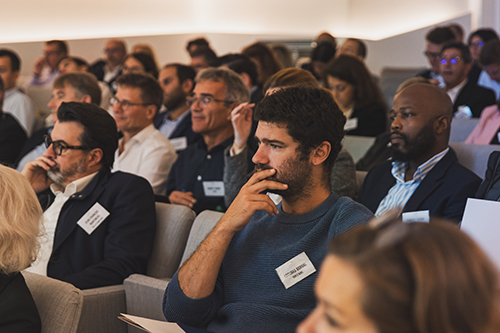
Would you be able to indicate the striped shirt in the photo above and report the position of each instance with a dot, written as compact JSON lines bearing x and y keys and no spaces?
{"x":401,"y":192}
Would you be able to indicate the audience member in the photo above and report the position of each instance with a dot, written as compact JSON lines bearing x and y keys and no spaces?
{"x":458,"y":31}
{"x":142,"y":150}
{"x":357,"y":95}
{"x":424,"y":176}
{"x":490,"y":60}
{"x":477,"y":74}
{"x":490,"y":187}
{"x":45,"y":68}
{"x":435,"y":39}
{"x":70,"y":87}
{"x":15,"y":102}
{"x":177,"y":82}
{"x":20,"y":216}
{"x":405,"y":277}
{"x":264,"y":58}
{"x":325,"y":37}
{"x":300,"y":132}
{"x":196,"y":43}
{"x":320,"y":56}
{"x":140,"y":63}
{"x":196,"y":176}
{"x":12,"y":135}
{"x":203,"y":57}
{"x":353,"y":47}
{"x":78,"y":65}
{"x":247,"y":69}
{"x":99,"y":216}
{"x":147,"y":49}
{"x":283,"y":54}
{"x":468,"y":98}
{"x":109,"y":68}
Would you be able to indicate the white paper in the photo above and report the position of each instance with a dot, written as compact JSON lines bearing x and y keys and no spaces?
{"x":151,"y":325}
{"x":213,"y":189}
{"x":418,"y":216}
{"x":351,"y":124}
{"x":93,"y":218}
{"x":180,"y":143}
{"x":295,"y":270}
{"x":482,"y":222}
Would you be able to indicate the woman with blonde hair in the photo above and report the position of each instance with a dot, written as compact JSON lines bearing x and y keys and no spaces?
{"x":20,"y":215}
{"x":390,"y":276}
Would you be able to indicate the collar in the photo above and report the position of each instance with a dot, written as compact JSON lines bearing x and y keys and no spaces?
{"x":223,"y":145}
{"x":455,"y":90}
{"x":142,"y":135}
{"x":73,"y":187}
{"x":10,"y":92}
{"x":399,"y":168}
{"x":182,"y":116}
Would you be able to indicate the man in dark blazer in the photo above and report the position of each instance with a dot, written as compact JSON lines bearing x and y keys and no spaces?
{"x":109,"y":68}
{"x":490,"y":187}
{"x":99,"y":225}
{"x":424,"y":174}
{"x":468,"y":98}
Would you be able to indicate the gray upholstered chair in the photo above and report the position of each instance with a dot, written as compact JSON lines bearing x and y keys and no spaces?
{"x":461,"y":128}
{"x":59,"y":303}
{"x":357,"y":146}
{"x":145,"y":294}
{"x":473,"y":157}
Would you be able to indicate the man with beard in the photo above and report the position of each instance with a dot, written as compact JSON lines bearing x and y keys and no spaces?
{"x":424,"y":177}
{"x":99,"y":226}
{"x":177,"y":82}
{"x":255,"y":271}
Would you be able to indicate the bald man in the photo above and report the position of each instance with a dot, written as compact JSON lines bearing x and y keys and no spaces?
{"x":423,"y":178}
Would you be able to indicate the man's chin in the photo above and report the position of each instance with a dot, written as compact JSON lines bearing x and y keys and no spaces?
{"x":56,"y":177}
{"x":398,"y":155}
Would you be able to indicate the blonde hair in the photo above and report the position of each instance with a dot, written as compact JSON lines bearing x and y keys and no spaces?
{"x":20,"y":215}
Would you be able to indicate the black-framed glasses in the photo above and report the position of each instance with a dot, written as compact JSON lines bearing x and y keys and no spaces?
{"x":433,"y":55}
{"x":59,"y":146}
{"x":204,"y":100}
{"x":452,"y":61}
{"x":124,"y":104}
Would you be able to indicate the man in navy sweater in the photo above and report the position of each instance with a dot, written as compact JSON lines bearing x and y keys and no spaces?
{"x":255,"y":271}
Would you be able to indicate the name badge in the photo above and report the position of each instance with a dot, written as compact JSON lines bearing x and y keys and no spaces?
{"x":93,"y":218}
{"x":213,"y":189}
{"x":295,"y":270}
{"x":351,"y":124}
{"x":179,"y":143}
{"x":420,"y":216}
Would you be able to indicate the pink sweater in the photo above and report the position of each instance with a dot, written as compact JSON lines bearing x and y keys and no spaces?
{"x":487,"y":128}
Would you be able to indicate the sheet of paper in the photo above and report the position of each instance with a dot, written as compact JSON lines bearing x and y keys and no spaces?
{"x":481,"y":221}
{"x":151,"y":325}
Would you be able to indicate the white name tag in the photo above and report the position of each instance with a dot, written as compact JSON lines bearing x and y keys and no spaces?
{"x":93,"y":218}
{"x":295,"y":270}
{"x":213,"y":189}
{"x":179,"y":143}
{"x":420,"y":216}
{"x":351,"y":124}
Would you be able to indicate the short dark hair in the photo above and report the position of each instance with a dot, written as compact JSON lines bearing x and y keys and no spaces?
{"x":99,"y":128}
{"x":15,"y":62}
{"x":151,"y":91}
{"x":485,"y":34}
{"x":208,"y":54}
{"x":464,"y":50}
{"x":310,"y":115}
{"x":147,"y":61}
{"x":490,"y":53}
{"x":79,"y":61}
{"x":323,"y":52}
{"x":83,"y":83}
{"x":244,"y":64}
{"x":61,"y":45}
{"x":183,"y":72}
{"x":361,"y":46}
{"x":440,"y":35}
{"x":200,"y":42}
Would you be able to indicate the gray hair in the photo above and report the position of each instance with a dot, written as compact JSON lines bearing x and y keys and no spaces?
{"x":236,"y":90}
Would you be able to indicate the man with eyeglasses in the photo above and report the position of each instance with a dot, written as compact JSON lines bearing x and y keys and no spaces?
{"x":434,"y":41}
{"x":99,"y":225}
{"x":45,"y":69}
{"x":468,"y":98}
{"x":109,"y":68}
{"x":196,"y":179}
{"x":142,"y":150}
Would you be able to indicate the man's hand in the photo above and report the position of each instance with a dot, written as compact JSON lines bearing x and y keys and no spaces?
{"x":38,"y":66}
{"x":241,"y":117}
{"x":36,"y":173}
{"x":182,"y":198}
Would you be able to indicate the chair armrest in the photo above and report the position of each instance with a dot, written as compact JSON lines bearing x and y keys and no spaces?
{"x":144,"y":296}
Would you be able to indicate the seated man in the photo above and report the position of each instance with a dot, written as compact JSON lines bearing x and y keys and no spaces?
{"x":196,"y":176}
{"x":142,"y":150}
{"x":353,"y":47}
{"x":110,"y":68}
{"x":99,"y":226}
{"x":255,"y":271}
{"x":435,"y":39}
{"x":46,"y":69}
{"x":424,"y":174}
{"x":468,"y":98}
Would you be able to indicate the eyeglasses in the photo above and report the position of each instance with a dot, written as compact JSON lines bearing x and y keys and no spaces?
{"x":204,"y":100}
{"x":452,"y":61}
{"x":124,"y":104}
{"x":433,"y":55}
{"x":478,"y":44}
{"x":59,"y":145}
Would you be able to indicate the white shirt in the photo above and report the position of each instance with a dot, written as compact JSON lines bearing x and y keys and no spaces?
{"x":453,"y":92}
{"x":50,"y":218}
{"x":21,"y":107}
{"x":148,"y":154}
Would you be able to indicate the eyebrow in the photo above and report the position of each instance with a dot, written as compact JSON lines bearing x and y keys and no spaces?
{"x":268,"y":141}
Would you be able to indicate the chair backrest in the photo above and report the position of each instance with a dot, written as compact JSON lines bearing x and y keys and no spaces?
{"x":473,"y":157}
{"x":357,"y":146}
{"x":392,"y":77}
{"x":461,"y":128}
{"x":202,"y":225}
{"x":59,"y":303}
{"x":173,"y":223}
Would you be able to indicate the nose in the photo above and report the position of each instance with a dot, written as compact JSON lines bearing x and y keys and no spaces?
{"x":396,"y":123}
{"x":309,"y":324}
{"x":261,"y":156}
{"x":196,"y":105}
{"x":117,"y":107}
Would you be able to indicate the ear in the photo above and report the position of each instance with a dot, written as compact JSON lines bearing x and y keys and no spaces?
{"x":442,"y":124}
{"x":94,"y":157}
{"x":246,"y":78}
{"x":86,"y":99}
{"x":151,"y":112}
{"x":187,"y":86}
{"x":321,"y":153}
{"x":16,"y":75}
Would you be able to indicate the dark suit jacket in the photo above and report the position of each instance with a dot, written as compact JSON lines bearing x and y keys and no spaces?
{"x":490,"y":187}
{"x":444,"y":191}
{"x":97,"y":69}
{"x":18,"y":312}
{"x":12,"y":138}
{"x":119,"y":246}
{"x":183,"y":128}
{"x":475,"y":97}
{"x":372,"y":121}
